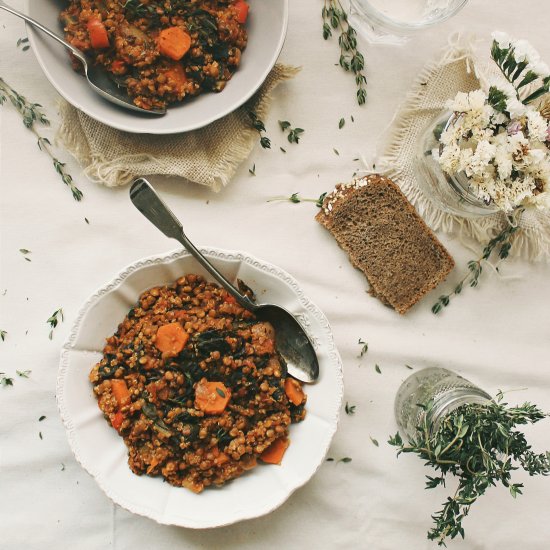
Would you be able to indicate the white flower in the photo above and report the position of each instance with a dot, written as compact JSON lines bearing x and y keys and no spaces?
{"x":464,"y":102}
{"x":540,"y":68}
{"x":449,"y":158}
{"x":502,"y":39}
{"x":523,"y":51}
{"x":515,"y":107}
{"x":505,"y":157}
{"x":537,"y":125}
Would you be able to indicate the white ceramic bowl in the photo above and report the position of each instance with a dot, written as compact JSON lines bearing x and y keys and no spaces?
{"x":102,"y":452}
{"x":267,"y":24}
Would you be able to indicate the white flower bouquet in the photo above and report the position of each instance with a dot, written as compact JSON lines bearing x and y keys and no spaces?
{"x":500,"y":139}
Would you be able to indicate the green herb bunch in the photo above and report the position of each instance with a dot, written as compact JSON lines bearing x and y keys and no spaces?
{"x":351,"y":59}
{"x":480,"y":445}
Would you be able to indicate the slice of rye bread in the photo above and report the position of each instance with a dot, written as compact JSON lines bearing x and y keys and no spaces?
{"x":386,"y":239}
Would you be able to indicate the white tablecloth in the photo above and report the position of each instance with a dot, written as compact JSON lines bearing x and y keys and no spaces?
{"x":498,"y":335}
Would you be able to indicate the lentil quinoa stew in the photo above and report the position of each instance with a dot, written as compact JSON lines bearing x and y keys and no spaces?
{"x":195,"y":386}
{"x":161,"y":51}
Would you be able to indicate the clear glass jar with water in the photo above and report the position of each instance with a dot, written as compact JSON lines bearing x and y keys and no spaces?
{"x":391,"y":21}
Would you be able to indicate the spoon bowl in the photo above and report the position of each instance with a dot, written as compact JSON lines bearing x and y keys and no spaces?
{"x":291,"y":340}
{"x":97,"y":78}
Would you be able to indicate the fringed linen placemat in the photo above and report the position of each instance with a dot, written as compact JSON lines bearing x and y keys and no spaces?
{"x":460,"y":69}
{"x":208,"y":156}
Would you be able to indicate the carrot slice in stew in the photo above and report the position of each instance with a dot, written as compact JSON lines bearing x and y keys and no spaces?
{"x":242,"y":11}
{"x":98,"y":34}
{"x":176,"y":76}
{"x":171,"y":338}
{"x":211,"y":397}
{"x":174,"y":42}
{"x":117,"y":421}
{"x":275,"y":452}
{"x":121,"y":392}
{"x":294,"y":392}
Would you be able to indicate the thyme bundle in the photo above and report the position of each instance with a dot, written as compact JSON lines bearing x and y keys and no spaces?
{"x":33,"y":113}
{"x":480,"y":445}
{"x":335,"y":18}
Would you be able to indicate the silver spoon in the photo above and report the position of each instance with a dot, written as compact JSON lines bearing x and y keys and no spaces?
{"x":292,"y":342}
{"x":97,"y":77}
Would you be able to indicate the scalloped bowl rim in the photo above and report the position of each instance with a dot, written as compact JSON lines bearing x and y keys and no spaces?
{"x":168,"y":258}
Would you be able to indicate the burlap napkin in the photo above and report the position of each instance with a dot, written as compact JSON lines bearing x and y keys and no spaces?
{"x":208,"y":156}
{"x":462,"y":68}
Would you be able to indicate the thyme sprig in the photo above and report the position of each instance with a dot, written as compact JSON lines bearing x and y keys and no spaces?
{"x":503,"y":241}
{"x":5,"y":380}
{"x":33,"y":113}
{"x":23,"y":43}
{"x":54,"y":319}
{"x":295,"y":198}
{"x":478,"y":444}
{"x":294,"y":134}
{"x":259,"y":126}
{"x":351,"y":60}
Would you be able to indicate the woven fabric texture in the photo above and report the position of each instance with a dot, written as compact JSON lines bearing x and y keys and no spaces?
{"x":208,"y":156}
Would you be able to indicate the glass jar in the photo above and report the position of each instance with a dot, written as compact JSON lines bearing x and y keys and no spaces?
{"x":453,"y":194}
{"x":443,"y":389}
{"x":391,"y":21}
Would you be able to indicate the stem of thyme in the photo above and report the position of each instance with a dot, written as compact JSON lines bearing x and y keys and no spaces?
{"x":33,"y":113}
{"x":351,"y":59}
{"x":503,"y":240}
{"x":295,"y":198}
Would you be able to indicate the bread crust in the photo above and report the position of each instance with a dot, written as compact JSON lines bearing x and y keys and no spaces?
{"x":385,"y":238}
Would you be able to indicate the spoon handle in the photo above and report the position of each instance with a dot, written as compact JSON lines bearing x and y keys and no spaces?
{"x":76,"y":52}
{"x":147,"y":201}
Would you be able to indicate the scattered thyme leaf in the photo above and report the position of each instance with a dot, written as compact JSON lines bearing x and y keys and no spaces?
{"x":87,"y":221}
{"x":62,"y":467}
{"x":5,"y":380}
{"x":221,"y":393}
{"x":336,"y":151}
{"x":3,"y":334}
{"x":295,"y":134}
{"x":345,"y":460}
{"x":408,"y":367}
{"x":252,"y":170}
{"x":377,"y":369}
{"x":283,"y":150}
{"x":320,"y":200}
{"x":24,"y":373}
{"x":24,"y":251}
{"x":41,"y":418}
{"x":40,"y":435}
{"x":23,"y":43}
{"x":364,"y":349}
{"x":341,"y":123}
{"x":374,"y":441}
{"x":352,"y":119}
{"x":350,"y":409}
{"x":54,"y":319}
{"x":284,"y":124}
{"x":329,"y":459}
